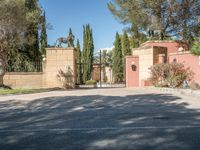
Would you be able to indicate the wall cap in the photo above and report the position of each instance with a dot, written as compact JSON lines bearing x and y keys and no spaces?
{"x":24,"y":73}
{"x":134,"y":56}
{"x":180,"y":53}
{"x":60,"y":48}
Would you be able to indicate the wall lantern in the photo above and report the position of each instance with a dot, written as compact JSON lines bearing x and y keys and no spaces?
{"x":133,"y":66}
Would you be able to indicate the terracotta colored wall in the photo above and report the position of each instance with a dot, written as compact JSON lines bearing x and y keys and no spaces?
{"x":132,"y":77}
{"x":188,"y":60}
{"x":24,"y":80}
{"x":172,"y":46}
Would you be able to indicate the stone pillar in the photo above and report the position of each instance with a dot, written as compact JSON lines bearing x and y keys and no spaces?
{"x":60,"y":68}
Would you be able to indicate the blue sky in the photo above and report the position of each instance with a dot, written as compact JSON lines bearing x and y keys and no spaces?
{"x":63,"y":14}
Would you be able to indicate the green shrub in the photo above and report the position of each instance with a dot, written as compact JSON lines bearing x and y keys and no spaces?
{"x":196,"y":48}
{"x":91,"y":82}
{"x":170,"y":75}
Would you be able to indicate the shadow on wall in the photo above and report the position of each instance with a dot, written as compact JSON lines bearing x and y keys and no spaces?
{"x":66,"y":78}
{"x":138,"y":122}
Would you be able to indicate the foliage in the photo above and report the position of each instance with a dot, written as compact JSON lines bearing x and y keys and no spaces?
{"x":170,"y":75}
{"x":91,"y":82}
{"x":88,"y":50}
{"x":159,"y":19}
{"x":21,"y":91}
{"x":106,"y":58}
{"x":31,"y":33}
{"x":117,"y":60}
{"x":43,"y":36}
{"x":79,"y":65}
{"x":126,"y":49}
{"x":196,"y":48}
{"x":19,"y":22}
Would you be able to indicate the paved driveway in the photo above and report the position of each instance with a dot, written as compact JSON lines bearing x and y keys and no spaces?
{"x":100,"y":119}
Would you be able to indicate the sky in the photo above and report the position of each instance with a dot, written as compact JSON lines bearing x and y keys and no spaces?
{"x":63,"y":14}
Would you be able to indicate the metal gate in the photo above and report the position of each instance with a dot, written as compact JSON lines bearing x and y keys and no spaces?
{"x":102,"y":73}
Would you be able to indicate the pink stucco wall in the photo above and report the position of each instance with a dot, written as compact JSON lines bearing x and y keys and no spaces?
{"x":185,"y":57}
{"x":188,"y":60}
{"x":132,"y":77}
{"x":172,"y":46}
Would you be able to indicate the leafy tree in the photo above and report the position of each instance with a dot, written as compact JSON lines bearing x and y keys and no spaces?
{"x":117,"y":60}
{"x":71,"y":39}
{"x":126,"y":44}
{"x":43,"y":36}
{"x":185,"y":22}
{"x":160,"y":19}
{"x":13,"y":22}
{"x":79,"y":64}
{"x":88,"y":50}
{"x":31,"y":40}
{"x":196,"y":48}
{"x":130,"y":12}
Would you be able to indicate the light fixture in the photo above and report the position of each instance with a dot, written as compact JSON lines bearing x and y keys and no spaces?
{"x":133,"y":66}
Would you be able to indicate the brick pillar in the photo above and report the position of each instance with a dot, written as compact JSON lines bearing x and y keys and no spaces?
{"x":60,"y":68}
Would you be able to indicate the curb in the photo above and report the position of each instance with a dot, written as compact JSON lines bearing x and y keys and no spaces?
{"x":187,"y":92}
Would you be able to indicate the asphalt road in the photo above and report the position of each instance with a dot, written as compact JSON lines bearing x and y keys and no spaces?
{"x":100,"y":119}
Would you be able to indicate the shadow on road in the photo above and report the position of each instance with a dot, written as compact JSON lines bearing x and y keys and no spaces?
{"x":138,"y":122}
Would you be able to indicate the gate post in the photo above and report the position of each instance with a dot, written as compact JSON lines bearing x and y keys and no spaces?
{"x":132,"y":71}
{"x":60,"y":68}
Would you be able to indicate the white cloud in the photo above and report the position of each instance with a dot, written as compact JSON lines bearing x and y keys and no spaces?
{"x":107,"y":48}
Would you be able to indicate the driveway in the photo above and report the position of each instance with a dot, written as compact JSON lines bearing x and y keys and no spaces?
{"x":100,"y":119}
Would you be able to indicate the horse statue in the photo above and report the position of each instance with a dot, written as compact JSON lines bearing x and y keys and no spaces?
{"x":63,"y":40}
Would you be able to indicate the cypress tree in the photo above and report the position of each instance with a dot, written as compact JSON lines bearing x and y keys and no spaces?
{"x":71,"y":38}
{"x":79,"y":65}
{"x":117,"y":60}
{"x":84,"y":59}
{"x":126,"y":44}
{"x":43,"y":36}
{"x":88,"y":50}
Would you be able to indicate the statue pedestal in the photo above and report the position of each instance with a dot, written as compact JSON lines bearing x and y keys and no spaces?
{"x":60,"y":68}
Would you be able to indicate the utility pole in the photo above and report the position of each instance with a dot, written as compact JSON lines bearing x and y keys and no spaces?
{"x":100,"y":67}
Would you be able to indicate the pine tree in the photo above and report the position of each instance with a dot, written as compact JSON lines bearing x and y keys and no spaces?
{"x":88,"y":50}
{"x":117,"y":60}
{"x":43,"y":36}
{"x":126,"y":44}
{"x":159,"y":19}
{"x":79,"y":64}
{"x":71,"y":40}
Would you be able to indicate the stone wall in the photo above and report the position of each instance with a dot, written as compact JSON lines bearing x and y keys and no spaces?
{"x":60,"y":62}
{"x":24,"y":80}
{"x":59,"y":70}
